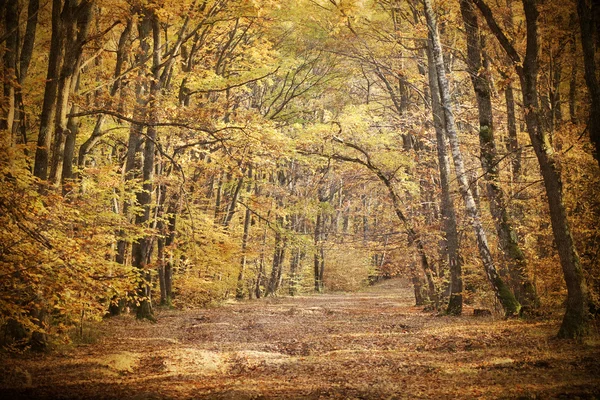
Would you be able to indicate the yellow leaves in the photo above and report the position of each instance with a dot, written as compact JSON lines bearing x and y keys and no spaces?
{"x":55,"y":251}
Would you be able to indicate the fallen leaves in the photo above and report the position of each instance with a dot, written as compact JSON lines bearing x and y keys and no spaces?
{"x":369,"y":345}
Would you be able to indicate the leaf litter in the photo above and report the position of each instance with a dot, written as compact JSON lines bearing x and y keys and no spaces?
{"x":369,"y":345}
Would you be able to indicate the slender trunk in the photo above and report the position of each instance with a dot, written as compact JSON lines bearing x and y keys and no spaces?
{"x":260,"y":275}
{"x":11,"y":51}
{"x":141,"y":250}
{"x":135,"y":132}
{"x":555,"y":97}
{"x":576,"y":319}
{"x":294,"y":257}
{"x":586,"y":24}
{"x":28,"y":39}
{"x":317,"y":253}
{"x":573,"y":78}
{"x":278,"y":256}
{"x":76,"y":22}
{"x":218,"y":198}
{"x":516,"y":262}
{"x":511,"y":123}
{"x":239,"y":294}
{"x":451,"y":248}
{"x":160,"y":256}
{"x":233,"y":204}
{"x":504,"y":295}
{"x":73,"y":130}
{"x":40,"y":169}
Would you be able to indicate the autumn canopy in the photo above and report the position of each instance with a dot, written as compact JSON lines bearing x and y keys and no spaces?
{"x":180,"y":153}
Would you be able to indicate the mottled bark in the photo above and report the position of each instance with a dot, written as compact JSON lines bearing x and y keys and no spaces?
{"x":511,"y":124}
{"x":450,"y":245}
{"x":576,"y":319}
{"x":510,"y":305}
{"x":514,"y":256}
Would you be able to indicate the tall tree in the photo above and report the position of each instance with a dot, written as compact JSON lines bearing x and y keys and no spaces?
{"x":517,"y":263}
{"x":455,"y":301}
{"x":504,"y":295}
{"x":576,"y":319}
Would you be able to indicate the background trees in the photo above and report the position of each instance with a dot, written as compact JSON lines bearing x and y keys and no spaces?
{"x":191,"y":152}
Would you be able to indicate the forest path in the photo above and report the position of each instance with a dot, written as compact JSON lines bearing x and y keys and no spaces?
{"x":368,"y":345}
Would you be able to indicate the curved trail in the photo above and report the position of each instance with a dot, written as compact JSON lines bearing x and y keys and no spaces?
{"x":368,"y":345}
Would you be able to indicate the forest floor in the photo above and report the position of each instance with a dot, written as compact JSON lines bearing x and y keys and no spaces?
{"x":368,"y":345}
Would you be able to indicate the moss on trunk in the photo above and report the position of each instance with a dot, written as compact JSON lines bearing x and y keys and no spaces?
{"x":509,"y":302}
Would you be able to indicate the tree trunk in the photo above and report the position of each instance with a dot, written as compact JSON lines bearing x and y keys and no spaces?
{"x":576,"y":319}
{"x":517,"y":264}
{"x":11,"y":51}
{"x":586,"y":24}
{"x":28,"y":39}
{"x":40,"y":169}
{"x":233,"y":204}
{"x":511,"y":123}
{"x":510,"y":305}
{"x":76,"y":20}
{"x":574,"y":68}
{"x":451,"y":248}
{"x":135,"y":131}
{"x":239,"y":294}
{"x":278,"y":257}
{"x":73,"y":130}
{"x":141,"y":250}
{"x":317,"y":253}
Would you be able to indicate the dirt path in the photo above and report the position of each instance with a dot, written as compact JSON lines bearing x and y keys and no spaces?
{"x":369,"y":345}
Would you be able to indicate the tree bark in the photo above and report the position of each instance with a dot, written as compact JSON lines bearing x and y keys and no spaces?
{"x":40,"y":168}
{"x":11,"y":21}
{"x":233,"y":204}
{"x":517,"y":264}
{"x":76,"y":20}
{"x":586,"y":25}
{"x":451,"y":248}
{"x":573,"y":78}
{"x":278,"y":257}
{"x":576,"y":319}
{"x":239,"y":293}
{"x":511,"y":123}
{"x":317,"y":254}
{"x":509,"y":303}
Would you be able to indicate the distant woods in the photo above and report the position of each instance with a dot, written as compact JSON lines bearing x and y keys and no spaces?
{"x":159,"y":154}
